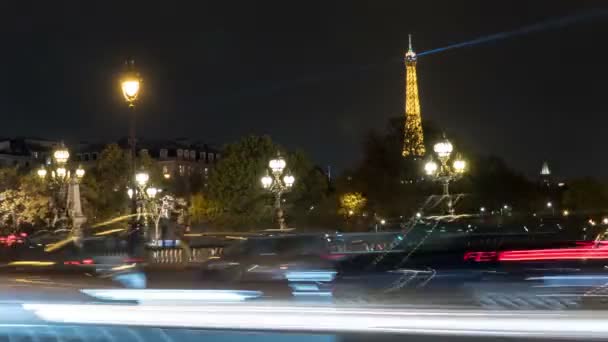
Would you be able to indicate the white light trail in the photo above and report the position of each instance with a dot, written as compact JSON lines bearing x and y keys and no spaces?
{"x":149,"y":295}
{"x":334,"y":319}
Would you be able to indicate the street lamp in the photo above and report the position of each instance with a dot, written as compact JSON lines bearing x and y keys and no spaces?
{"x":62,"y":178}
{"x":131,"y":87}
{"x":443,"y":172}
{"x":278,"y":181}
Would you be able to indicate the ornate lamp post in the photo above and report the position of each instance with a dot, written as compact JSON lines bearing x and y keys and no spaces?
{"x":278,"y":181}
{"x":130,"y":85}
{"x":444,"y":172}
{"x":67,"y":184}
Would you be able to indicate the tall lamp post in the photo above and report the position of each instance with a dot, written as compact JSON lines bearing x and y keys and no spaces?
{"x":278,"y":181}
{"x":443,"y":172}
{"x":130,"y":85}
{"x":66,"y":182}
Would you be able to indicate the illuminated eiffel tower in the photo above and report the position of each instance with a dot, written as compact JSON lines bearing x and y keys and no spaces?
{"x":413,"y":139}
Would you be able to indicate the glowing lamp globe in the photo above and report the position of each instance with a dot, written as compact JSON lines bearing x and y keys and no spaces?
{"x":142,"y":178}
{"x":130,"y":89}
{"x":289,"y":180}
{"x":443,"y":148}
{"x":277,"y":165}
{"x":61,"y":172}
{"x":266,"y":181}
{"x":130,"y":83}
{"x":41,"y":172}
{"x":79,"y":172}
{"x":61,"y":155}
{"x":430,"y":168}
{"x":151,"y":192}
{"x":459,"y":165}
{"x":130,"y":193}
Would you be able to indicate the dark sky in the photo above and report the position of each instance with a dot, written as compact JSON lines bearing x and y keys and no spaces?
{"x":313,"y":74}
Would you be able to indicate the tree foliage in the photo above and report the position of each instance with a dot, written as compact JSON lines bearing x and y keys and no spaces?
{"x":24,"y":200}
{"x":586,"y":194}
{"x":236,"y":197}
{"x":105,"y":184}
{"x":352,"y":203}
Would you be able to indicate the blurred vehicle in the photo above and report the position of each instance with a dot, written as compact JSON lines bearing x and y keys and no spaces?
{"x":103,"y":255}
{"x":273,"y":258}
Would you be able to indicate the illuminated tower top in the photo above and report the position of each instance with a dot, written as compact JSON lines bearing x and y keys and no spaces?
{"x":413,"y":139}
{"x":410,"y":55}
{"x":545,"y":171}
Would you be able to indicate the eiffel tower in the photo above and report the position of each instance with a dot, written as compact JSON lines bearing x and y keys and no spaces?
{"x":413,"y":139}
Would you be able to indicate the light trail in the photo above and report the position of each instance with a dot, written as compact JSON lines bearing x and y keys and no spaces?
{"x":541,"y":26}
{"x":171,"y":295}
{"x":580,"y":324}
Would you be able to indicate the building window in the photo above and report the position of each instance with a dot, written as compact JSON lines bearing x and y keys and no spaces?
{"x":217,"y":156}
{"x":164,"y":153}
{"x":203,"y":156}
{"x":95,"y":155}
{"x":87,"y":156}
{"x":181,"y":170}
{"x":180,"y":153}
{"x":193,"y":155}
{"x":211,"y":157}
{"x":35,"y":155}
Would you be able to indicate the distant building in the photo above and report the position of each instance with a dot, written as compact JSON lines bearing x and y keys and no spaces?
{"x":177,"y":157}
{"x":26,"y":152}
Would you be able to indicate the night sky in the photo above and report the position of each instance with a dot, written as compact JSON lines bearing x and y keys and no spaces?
{"x":315,"y":75}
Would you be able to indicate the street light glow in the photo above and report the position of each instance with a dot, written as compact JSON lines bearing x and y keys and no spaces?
{"x":130,"y":89}
{"x":266,"y":181}
{"x":289,"y":180}
{"x":549,"y":204}
{"x":130,"y":193}
{"x":430,"y":168}
{"x":61,"y":172}
{"x":79,"y":172}
{"x":61,"y":155}
{"x":41,"y":172}
{"x":151,"y":192}
{"x":277,"y":165}
{"x":459,"y":165}
{"x":443,"y":148}
{"x":142,"y":178}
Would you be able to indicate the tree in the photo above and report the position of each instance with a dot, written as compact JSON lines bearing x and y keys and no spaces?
{"x":586,"y":194}
{"x":104,"y":186}
{"x":159,"y":208}
{"x":21,"y":206}
{"x":352,"y":203}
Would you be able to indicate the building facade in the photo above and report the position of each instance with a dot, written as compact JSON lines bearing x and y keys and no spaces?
{"x":26,"y":152}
